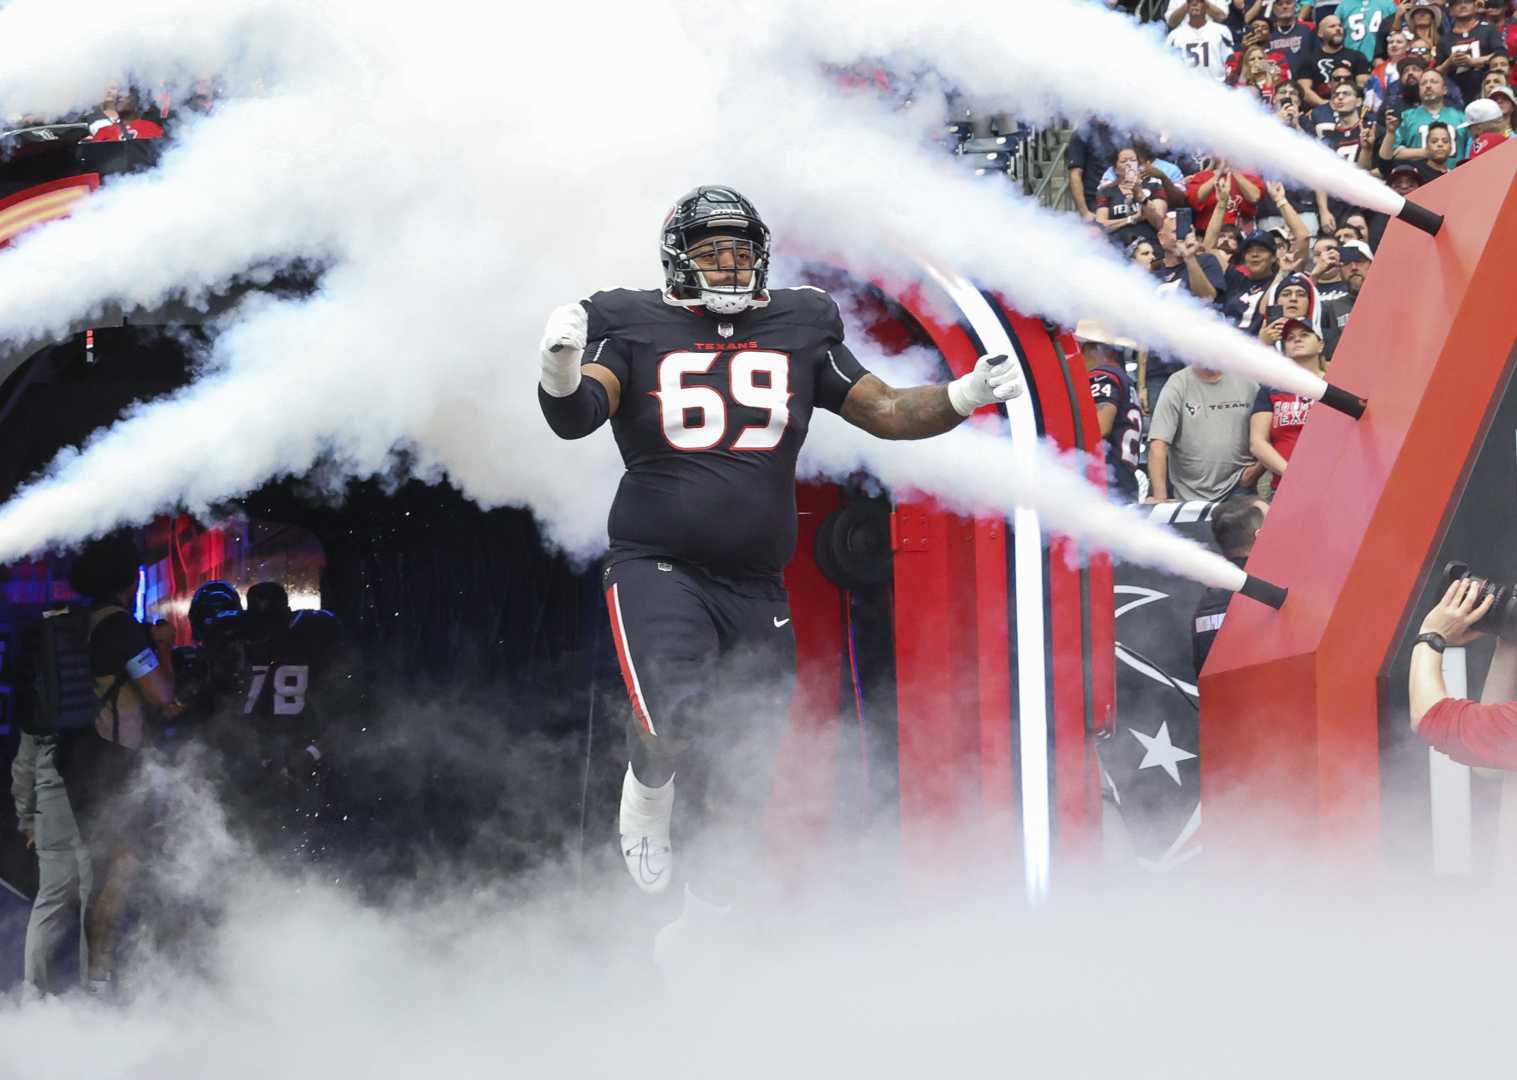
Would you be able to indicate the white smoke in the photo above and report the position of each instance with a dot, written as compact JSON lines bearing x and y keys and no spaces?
{"x":1280,"y":970}
{"x":459,"y":185}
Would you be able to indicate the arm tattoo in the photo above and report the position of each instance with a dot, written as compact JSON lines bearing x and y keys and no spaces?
{"x":918,"y":412}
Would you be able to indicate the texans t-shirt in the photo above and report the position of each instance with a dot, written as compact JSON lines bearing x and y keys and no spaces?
{"x":1287,"y":417}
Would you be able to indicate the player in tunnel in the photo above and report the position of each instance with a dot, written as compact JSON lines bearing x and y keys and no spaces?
{"x":709,"y":385}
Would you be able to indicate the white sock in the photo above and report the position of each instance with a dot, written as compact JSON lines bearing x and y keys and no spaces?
{"x":647,"y":801}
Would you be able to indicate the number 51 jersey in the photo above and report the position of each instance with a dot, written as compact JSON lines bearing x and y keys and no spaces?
{"x":713,"y":412}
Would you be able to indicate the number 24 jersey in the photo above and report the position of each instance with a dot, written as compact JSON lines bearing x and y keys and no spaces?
{"x":713,"y":412}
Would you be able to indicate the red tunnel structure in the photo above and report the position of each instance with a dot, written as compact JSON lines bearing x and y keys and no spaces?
{"x":1002,"y":642}
{"x":1297,"y":706}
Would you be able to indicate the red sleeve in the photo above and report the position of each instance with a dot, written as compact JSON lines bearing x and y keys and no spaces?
{"x":1243,"y":201}
{"x":1472,"y":734}
{"x":1193,"y":184}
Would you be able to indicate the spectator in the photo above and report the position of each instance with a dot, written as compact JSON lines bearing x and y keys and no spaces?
{"x":1291,"y":296}
{"x":1224,"y":248}
{"x":1348,"y":137}
{"x":134,"y":680}
{"x":1202,"y":38}
{"x":1119,"y":206}
{"x":1316,"y":74}
{"x":1334,"y":298}
{"x":1153,"y":170}
{"x":1402,"y":96}
{"x":1497,"y":14}
{"x":1483,"y":735}
{"x":106,"y":114}
{"x":1424,"y":22}
{"x":1506,"y":101}
{"x":1356,"y":265}
{"x":1235,"y":526}
{"x":1247,"y":279}
{"x":125,"y":122}
{"x":1145,"y":253}
{"x":1198,"y":440}
{"x":1487,"y":124}
{"x":1291,"y":36}
{"x":1440,"y":146}
{"x":1092,"y":149}
{"x":1386,"y":71}
{"x":1345,"y":233}
{"x":1363,"y":22}
{"x":1287,"y":106}
{"x":1410,"y":132}
{"x":1279,"y":416}
{"x":204,"y":95}
{"x":1405,"y":178}
{"x":1117,"y":407}
{"x":1238,"y":193}
{"x":1180,"y":11}
{"x":1182,"y":264}
{"x":1465,"y":51}
{"x":1262,"y":74}
{"x":1492,"y":82}
{"x":1255,"y":43}
{"x":1360,"y":224}
{"x":1501,"y":63}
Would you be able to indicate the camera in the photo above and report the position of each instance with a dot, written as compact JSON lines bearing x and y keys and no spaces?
{"x":1501,"y":619}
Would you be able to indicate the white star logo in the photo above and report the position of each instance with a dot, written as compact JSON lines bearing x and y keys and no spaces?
{"x":1160,"y":752}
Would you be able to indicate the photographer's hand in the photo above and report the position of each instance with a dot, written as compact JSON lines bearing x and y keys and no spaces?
{"x":1457,"y":613}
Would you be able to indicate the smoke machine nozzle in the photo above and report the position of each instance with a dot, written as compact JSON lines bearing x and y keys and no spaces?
{"x":1338,"y":398}
{"x":1262,"y":591}
{"x":1420,"y":217}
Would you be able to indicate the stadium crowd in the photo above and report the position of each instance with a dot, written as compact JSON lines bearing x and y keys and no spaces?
{"x":1407,"y":91}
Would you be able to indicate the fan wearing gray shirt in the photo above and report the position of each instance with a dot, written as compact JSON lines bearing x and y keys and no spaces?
{"x":1198,"y":440}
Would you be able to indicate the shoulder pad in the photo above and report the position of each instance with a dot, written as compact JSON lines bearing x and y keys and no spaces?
{"x":811,"y":305}
{"x":612,"y":309}
{"x":317,"y":626}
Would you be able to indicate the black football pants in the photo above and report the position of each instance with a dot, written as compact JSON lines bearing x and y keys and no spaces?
{"x":709,"y":665}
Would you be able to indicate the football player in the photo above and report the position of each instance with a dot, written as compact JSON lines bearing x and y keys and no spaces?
{"x":709,"y":385}
{"x":1117,"y":408}
{"x":291,"y":662}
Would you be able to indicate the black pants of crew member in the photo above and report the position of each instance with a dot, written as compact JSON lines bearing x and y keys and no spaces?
{"x":709,"y":665}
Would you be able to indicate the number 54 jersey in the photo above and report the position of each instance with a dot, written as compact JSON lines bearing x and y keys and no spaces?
{"x":713,"y":412}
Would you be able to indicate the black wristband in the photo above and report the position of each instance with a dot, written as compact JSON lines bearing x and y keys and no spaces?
{"x":579,"y":413}
{"x":1433,"y":641}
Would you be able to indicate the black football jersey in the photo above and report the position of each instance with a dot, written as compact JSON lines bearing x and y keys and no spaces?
{"x":284,"y":671}
{"x":714,"y":409}
{"x":1113,"y":386}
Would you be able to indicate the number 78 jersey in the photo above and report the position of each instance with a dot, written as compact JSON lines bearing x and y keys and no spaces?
{"x":714,"y":409}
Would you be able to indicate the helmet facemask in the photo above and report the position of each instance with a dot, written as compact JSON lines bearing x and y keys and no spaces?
{"x":722,"y":266}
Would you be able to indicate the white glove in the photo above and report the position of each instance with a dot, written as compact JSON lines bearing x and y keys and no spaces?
{"x":562,"y":346}
{"x":994,"y":379}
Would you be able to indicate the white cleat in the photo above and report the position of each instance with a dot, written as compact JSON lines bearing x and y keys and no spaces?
{"x":644,"y":829}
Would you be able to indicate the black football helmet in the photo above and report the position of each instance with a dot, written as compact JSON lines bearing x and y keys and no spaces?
{"x":698,"y":217}
{"x":268,"y":608}
{"x":214,"y":609}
